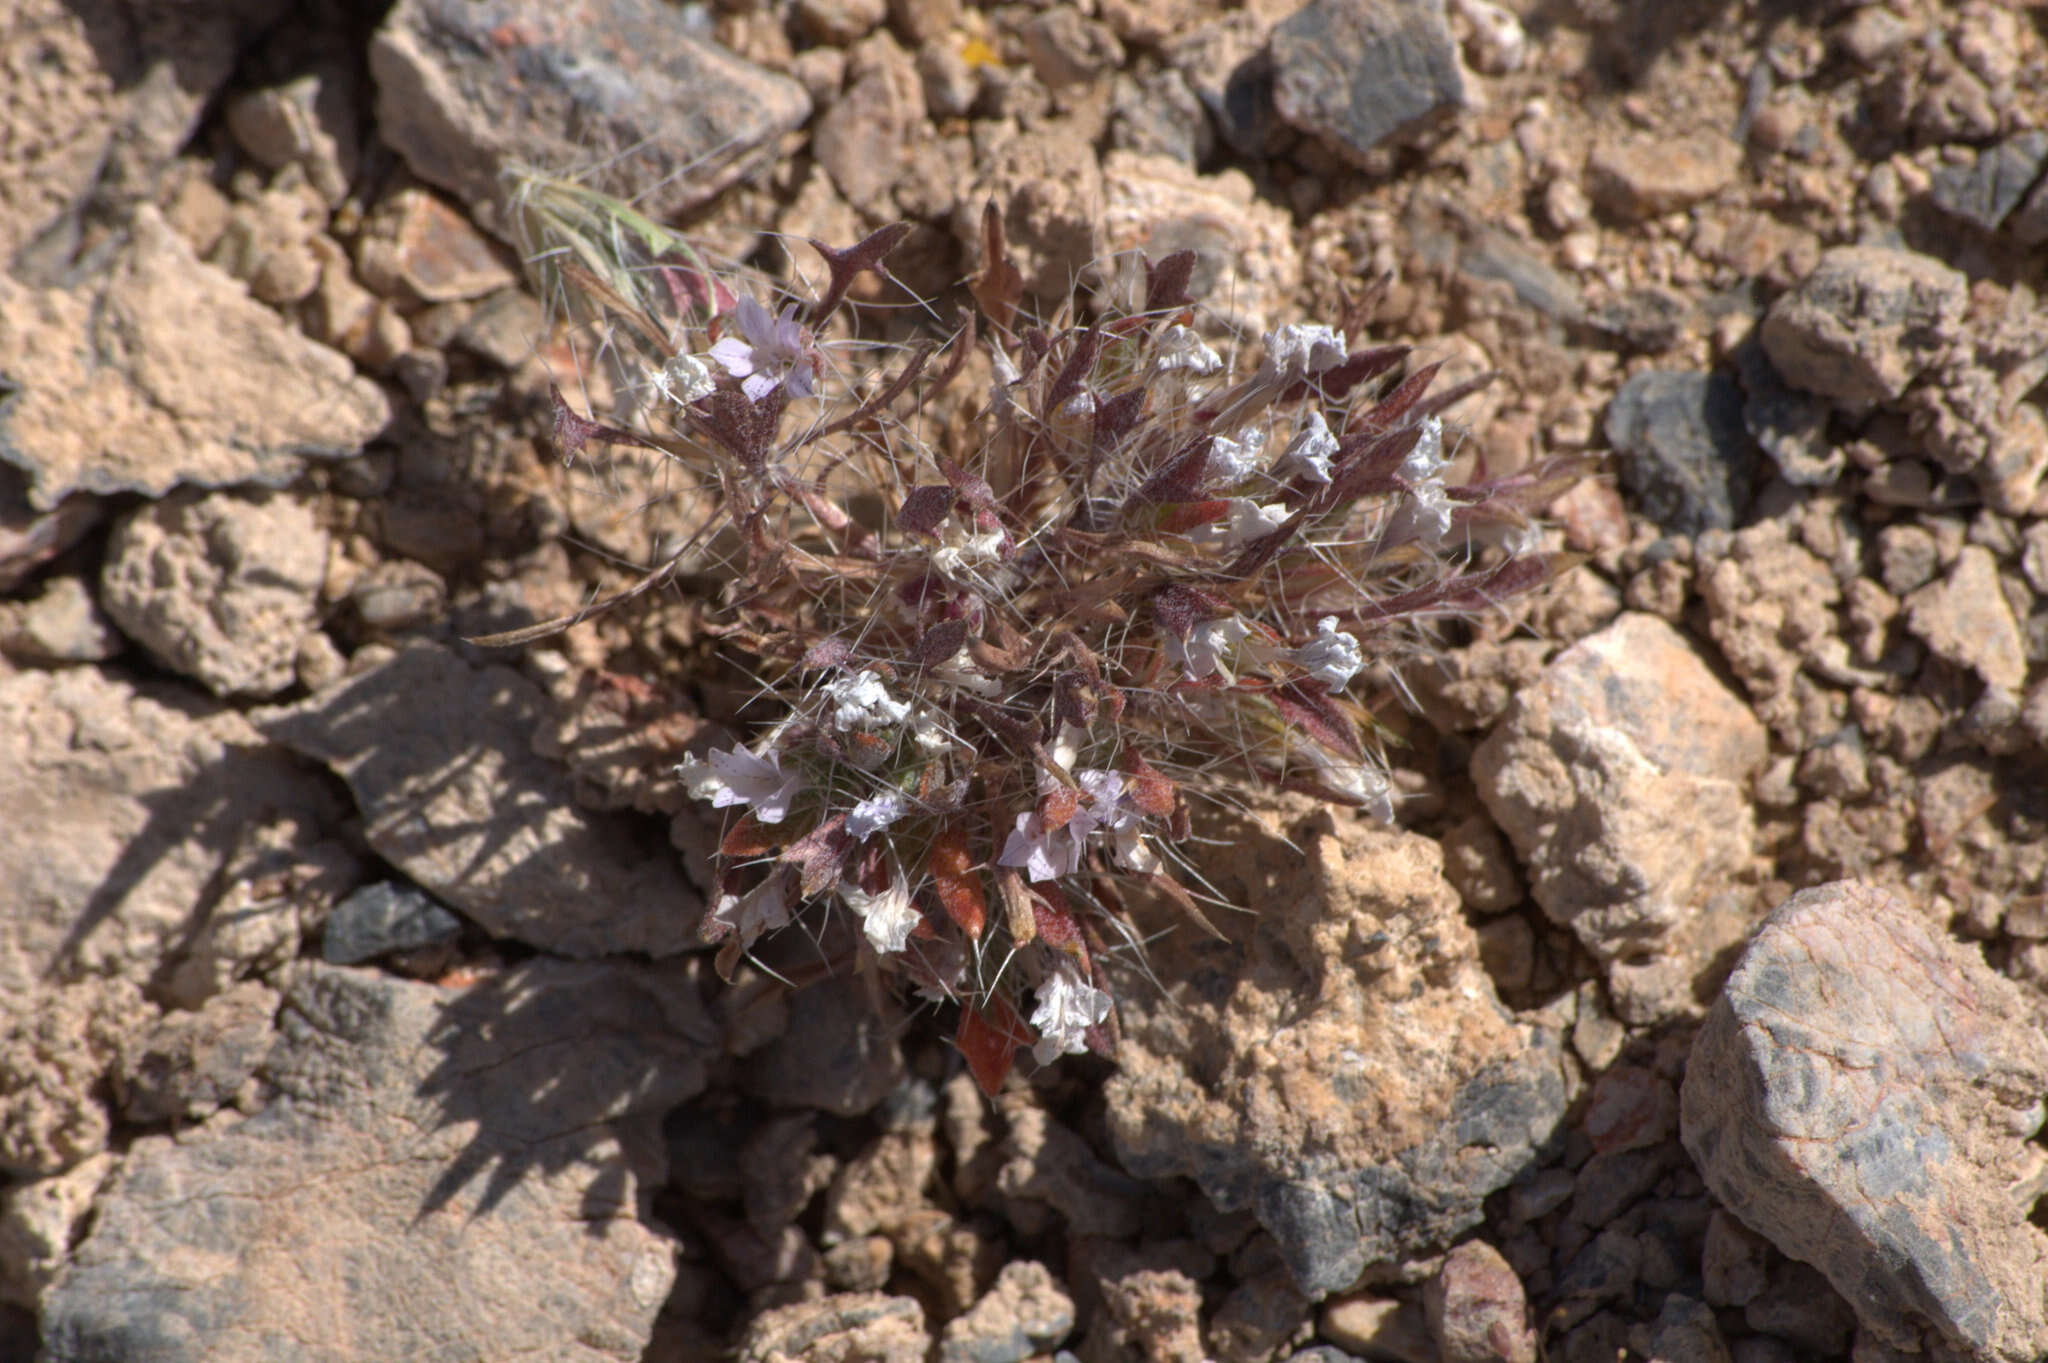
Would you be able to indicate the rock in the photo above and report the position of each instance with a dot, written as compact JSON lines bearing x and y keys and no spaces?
{"x":438,"y":756}
{"x":463,"y":88}
{"x":1621,"y":778}
{"x":166,"y":371}
{"x":854,"y":1327}
{"x":1378,"y":1328}
{"x":1966,"y":619}
{"x":1791,"y":426}
{"x":57,"y":1045}
{"x":1865,"y":323}
{"x":1361,"y":72}
{"x":839,"y":23}
{"x":1338,"y":1065}
{"x":864,"y":141}
{"x":1985,"y":189}
{"x":1770,"y":604}
{"x":220,"y":587}
{"x":309,"y":121}
{"x":1734,"y":1265}
{"x":1634,"y":176}
{"x":126,"y":813}
{"x":1226,"y":63}
{"x":2029,"y":225}
{"x":1258,"y":1317}
{"x":415,"y":248}
{"x":838,"y":1053}
{"x":1159,"y":115}
{"x":102,"y":98}
{"x":40,"y":1220}
{"x":1049,"y":188}
{"x":1152,"y":1315}
{"x":1247,"y":270}
{"x":1691,"y":464}
{"x":1686,"y":1332}
{"x":1025,"y":1313}
{"x":62,"y":625}
{"x":383,"y":918}
{"x":189,"y":1064}
{"x":1046,"y":1164}
{"x":445,"y":1172}
{"x":29,"y":539}
{"x":1066,"y":49}
{"x":1861,"y":1095}
{"x":1801,"y":1306}
{"x":1476,"y":1310}
{"x":1477,"y":863}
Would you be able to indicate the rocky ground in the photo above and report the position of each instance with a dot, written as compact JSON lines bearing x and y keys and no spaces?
{"x":351,"y":1005}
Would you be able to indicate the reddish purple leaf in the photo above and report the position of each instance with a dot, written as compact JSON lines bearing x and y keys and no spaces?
{"x":573,"y":431}
{"x":924,"y":508}
{"x":941,"y":642}
{"x":1180,"y":479}
{"x":1166,"y":282}
{"x":1074,"y":371}
{"x":865,"y":254}
{"x":1307,"y":705}
{"x":999,"y":287}
{"x":1180,"y":608}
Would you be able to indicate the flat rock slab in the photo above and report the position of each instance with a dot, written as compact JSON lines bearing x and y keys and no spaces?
{"x":439,"y":757}
{"x":1862,"y":1095}
{"x":465,"y":86}
{"x":1339,"y":1064}
{"x":165,"y":372}
{"x":440,"y":1173}
{"x":123,"y":809}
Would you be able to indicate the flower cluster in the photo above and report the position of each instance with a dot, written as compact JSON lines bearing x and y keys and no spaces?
{"x":1155,"y":568}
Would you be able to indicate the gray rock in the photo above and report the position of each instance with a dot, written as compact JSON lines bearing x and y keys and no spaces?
{"x":439,"y":757}
{"x":1338,"y":1065}
{"x":382,"y":918}
{"x":1686,"y":1332}
{"x":1495,"y":255}
{"x":1621,"y":777}
{"x":1604,"y":1271}
{"x":220,"y":588}
{"x":1226,"y":64}
{"x":1361,"y":72}
{"x":1158,"y":115}
{"x":1985,"y":189}
{"x":165,"y":371}
{"x":464,"y":87}
{"x":1791,"y":426}
{"x":1690,"y":464}
{"x":1862,"y":1095}
{"x":1801,"y":1306}
{"x":1026,"y":1312}
{"x":1865,"y":323}
{"x":442,"y":1173}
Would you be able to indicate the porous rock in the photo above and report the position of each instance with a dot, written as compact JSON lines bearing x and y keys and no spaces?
{"x":1361,"y":72}
{"x":188,"y":1063}
{"x":1965,"y":618}
{"x":1337,"y":1063}
{"x":125,"y":810}
{"x":442,"y":1173}
{"x":1862,"y":1095}
{"x":864,"y":140}
{"x":438,"y":755}
{"x":1865,"y":323}
{"x":1027,"y":1312}
{"x":57,"y":1045}
{"x":165,"y":371}
{"x":1621,"y":779}
{"x":464,"y":87}
{"x":853,"y":1327}
{"x":221,"y":587}
{"x":1246,"y":267}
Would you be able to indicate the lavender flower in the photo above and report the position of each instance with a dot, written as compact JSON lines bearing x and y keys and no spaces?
{"x":1047,"y":853}
{"x":768,"y":351}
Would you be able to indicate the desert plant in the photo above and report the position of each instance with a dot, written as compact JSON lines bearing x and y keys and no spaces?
{"x":1156,"y":572}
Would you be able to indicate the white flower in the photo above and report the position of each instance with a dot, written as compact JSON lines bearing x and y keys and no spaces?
{"x":954,"y":559}
{"x":1298,"y":350}
{"x":1332,"y":657}
{"x":684,"y":379}
{"x":1080,"y":405}
{"x":1233,"y":461}
{"x":1047,"y":853}
{"x":740,"y":778}
{"x":1208,"y":647}
{"x":861,"y":701}
{"x":1181,"y":348}
{"x":768,"y":351}
{"x":1067,"y":1007}
{"x":1312,"y":449}
{"x":929,"y":733}
{"x":871,"y":816}
{"x":1426,"y":463}
{"x":1249,"y":520}
{"x":1425,"y":515}
{"x":1363,"y":782}
{"x":1114,"y":814}
{"x":761,"y":909}
{"x":888,"y":918}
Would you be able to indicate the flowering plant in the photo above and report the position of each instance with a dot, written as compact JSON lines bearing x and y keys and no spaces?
{"x":1156,"y":569}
